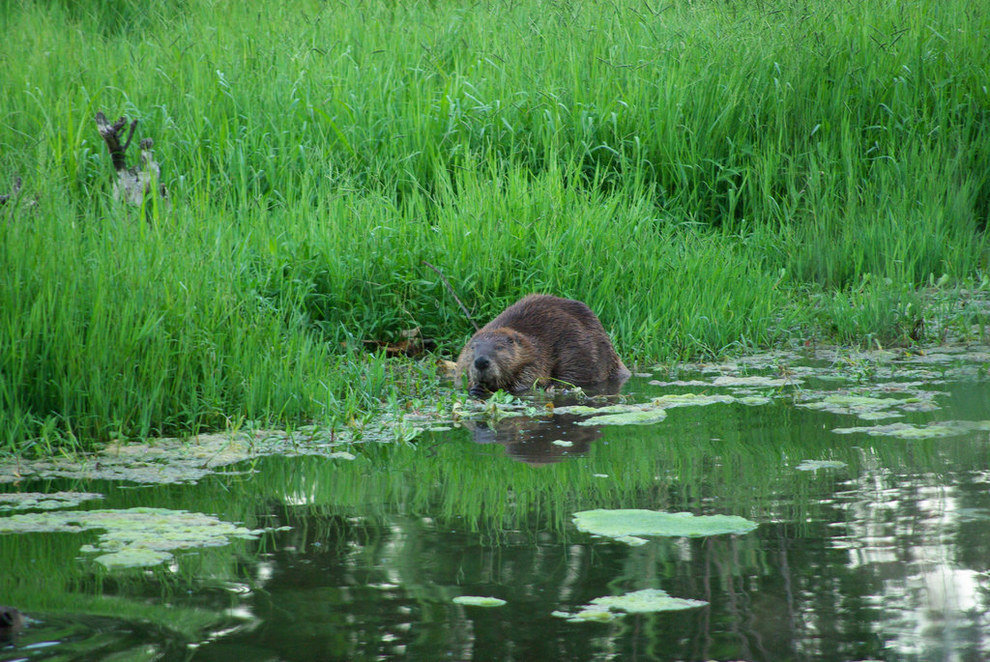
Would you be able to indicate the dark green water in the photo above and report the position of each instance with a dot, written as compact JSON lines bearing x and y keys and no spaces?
{"x":885,"y":558}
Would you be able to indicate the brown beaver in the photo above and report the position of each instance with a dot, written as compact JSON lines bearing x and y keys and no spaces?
{"x":11,"y":622}
{"x":539,"y":340}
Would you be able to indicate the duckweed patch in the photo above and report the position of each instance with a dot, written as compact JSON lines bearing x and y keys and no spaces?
{"x":621,"y":524}
{"x":647,"y":600}
{"x":133,"y":537}
{"x":41,"y":501}
{"x":478,"y":601}
{"x":934,"y":430}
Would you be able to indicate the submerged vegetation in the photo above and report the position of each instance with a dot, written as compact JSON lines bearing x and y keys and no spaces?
{"x":705,"y":177}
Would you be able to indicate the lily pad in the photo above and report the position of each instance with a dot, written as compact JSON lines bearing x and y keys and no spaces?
{"x":41,"y":501}
{"x":135,"y":537}
{"x":478,"y":601}
{"x":619,"y":524}
{"x":637,"y":602}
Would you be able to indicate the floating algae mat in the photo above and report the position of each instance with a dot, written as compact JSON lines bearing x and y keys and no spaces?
{"x":632,"y":417}
{"x":478,"y":601}
{"x":627,"y":525}
{"x":648,"y":600}
{"x":175,"y":460}
{"x":868,"y":407}
{"x":133,"y":537}
{"x":654,"y":411}
{"x":42,"y":501}
{"x":936,"y":430}
{"x":691,"y":400}
{"x":815,"y":465}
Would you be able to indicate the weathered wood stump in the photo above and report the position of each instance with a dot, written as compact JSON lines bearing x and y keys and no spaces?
{"x":132,"y":184}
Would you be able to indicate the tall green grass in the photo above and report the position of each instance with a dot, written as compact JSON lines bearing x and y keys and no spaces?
{"x":692,"y":171}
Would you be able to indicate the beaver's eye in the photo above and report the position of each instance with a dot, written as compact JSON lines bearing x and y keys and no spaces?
{"x":511,"y":340}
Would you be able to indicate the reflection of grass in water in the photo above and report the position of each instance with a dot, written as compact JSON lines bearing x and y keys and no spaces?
{"x":45,"y":577}
{"x":741,"y":455}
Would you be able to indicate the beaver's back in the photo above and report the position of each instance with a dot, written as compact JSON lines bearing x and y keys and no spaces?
{"x":568,"y":337}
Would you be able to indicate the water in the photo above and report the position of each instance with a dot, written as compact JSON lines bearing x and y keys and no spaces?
{"x":885,"y":558}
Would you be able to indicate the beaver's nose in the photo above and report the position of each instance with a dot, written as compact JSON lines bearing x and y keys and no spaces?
{"x":481,"y":363}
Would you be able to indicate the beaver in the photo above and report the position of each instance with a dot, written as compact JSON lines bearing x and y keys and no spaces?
{"x":539,"y":340}
{"x":11,"y":622}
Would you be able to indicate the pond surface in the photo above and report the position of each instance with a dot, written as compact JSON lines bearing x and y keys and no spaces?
{"x":871,"y":538}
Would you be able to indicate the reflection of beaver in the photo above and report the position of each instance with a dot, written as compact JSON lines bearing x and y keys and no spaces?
{"x":531,"y":440}
{"x":539,"y":340}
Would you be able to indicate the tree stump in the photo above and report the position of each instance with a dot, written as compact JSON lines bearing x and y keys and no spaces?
{"x":132,"y":184}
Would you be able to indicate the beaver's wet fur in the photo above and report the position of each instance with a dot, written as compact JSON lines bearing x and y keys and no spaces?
{"x":11,"y":622}
{"x":538,"y":341}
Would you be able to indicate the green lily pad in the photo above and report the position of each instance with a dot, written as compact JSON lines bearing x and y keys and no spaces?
{"x":637,"y":602}
{"x":619,"y":524}
{"x":134,"y":537}
{"x":478,"y":601}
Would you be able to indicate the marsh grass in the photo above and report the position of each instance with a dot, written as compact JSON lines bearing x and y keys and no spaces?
{"x":691,"y":173}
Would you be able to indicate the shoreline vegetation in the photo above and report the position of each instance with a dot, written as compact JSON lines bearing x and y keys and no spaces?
{"x":707,"y":177}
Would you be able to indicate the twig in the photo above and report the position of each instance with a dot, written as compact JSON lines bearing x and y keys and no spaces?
{"x":453,"y":294}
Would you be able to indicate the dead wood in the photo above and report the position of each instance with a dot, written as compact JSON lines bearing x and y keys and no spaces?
{"x":132,"y":184}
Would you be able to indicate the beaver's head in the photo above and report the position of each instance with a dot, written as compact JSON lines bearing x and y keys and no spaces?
{"x":11,"y":622}
{"x":495,"y":358}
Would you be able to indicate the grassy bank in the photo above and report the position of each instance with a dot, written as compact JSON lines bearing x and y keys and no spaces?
{"x":705,"y":176}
